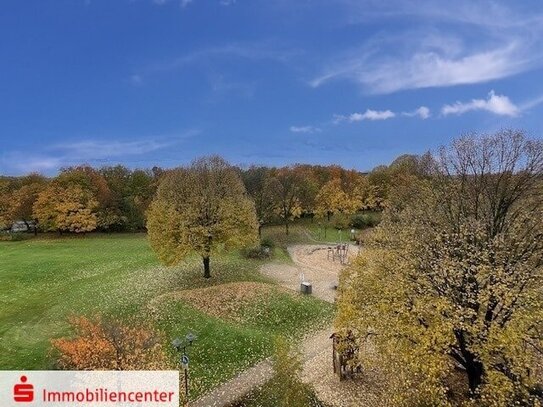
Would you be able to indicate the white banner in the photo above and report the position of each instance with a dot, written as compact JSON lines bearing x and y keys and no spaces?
{"x":36,"y":388}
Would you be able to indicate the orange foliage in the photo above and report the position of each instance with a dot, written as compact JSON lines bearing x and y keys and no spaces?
{"x":109,"y":345}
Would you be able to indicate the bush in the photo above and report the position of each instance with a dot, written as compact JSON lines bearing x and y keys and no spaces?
{"x":109,"y":345}
{"x":258,"y":252}
{"x":340,"y":221}
{"x":13,"y":237}
{"x":365,"y":220}
{"x":267,"y":242}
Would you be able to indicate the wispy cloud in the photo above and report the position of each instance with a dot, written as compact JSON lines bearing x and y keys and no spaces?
{"x":304,"y":129}
{"x":92,"y":151}
{"x":96,"y":150}
{"x":479,"y":42}
{"x":528,"y":104}
{"x":422,"y":112}
{"x":497,"y":104}
{"x":185,"y":3}
{"x":254,"y":51}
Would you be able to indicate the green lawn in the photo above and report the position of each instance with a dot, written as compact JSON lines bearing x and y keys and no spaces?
{"x":43,"y":281}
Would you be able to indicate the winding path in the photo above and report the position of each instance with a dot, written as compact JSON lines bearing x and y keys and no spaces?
{"x":312,"y":262}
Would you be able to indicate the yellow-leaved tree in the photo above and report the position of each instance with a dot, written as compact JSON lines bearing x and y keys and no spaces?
{"x":201,"y":209}
{"x":68,"y":208}
{"x":448,"y":293}
{"x":286,"y":186}
{"x":332,"y":199}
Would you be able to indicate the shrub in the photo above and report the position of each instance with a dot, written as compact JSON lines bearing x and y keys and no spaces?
{"x":267,"y":242}
{"x":13,"y":237}
{"x":109,"y":345}
{"x":17,"y":237}
{"x":289,"y":389}
{"x":257,"y":252}
{"x":365,"y":220}
{"x":340,"y":221}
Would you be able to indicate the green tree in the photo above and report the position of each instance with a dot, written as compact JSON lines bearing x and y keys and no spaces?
{"x":452,"y":278}
{"x":203,"y":208}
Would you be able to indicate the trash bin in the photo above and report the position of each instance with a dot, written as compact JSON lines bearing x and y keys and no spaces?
{"x":305,"y":287}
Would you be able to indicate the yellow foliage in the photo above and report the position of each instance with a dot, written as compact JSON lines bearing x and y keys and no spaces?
{"x":201,"y":209}
{"x":451,"y":279}
{"x":70,"y":209}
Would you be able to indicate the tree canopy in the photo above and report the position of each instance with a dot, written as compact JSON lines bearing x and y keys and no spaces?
{"x":202,"y":209}
{"x":451,"y":281}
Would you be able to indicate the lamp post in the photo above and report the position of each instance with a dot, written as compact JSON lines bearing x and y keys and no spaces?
{"x":181,"y":345}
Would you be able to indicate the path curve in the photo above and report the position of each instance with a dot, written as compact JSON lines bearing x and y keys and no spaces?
{"x":312,"y":262}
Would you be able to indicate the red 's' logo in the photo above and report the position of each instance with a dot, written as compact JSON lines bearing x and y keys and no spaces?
{"x":23,"y":392}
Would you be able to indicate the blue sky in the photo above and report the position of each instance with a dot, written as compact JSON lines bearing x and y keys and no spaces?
{"x":357,"y":83}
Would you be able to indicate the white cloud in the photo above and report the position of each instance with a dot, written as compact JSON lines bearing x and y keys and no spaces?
{"x":480,"y":42}
{"x":369,"y":114}
{"x":185,"y":3}
{"x":497,"y":104}
{"x":372,"y":115}
{"x":422,"y":112}
{"x":429,"y":68}
{"x":304,"y":129}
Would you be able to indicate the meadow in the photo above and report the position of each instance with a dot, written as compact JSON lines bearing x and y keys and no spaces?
{"x":45,"y":280}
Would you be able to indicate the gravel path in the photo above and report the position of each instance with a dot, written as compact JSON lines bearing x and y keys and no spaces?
{"x":312,"y":262}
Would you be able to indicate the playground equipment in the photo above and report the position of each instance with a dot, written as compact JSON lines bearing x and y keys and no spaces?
{"x":340,"y":252}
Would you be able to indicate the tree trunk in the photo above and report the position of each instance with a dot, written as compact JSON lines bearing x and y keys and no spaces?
{"x":207,"y":270}
{"x":474,"y":370}
{"x":286,"y":227}
{"x":260,"y":231}
{"x":328,"y":215}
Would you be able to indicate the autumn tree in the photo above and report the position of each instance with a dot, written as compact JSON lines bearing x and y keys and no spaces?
{"x":93,"y":183}
{"x":66,"y":209}
{"x":332,"y":199}
{"x":22,"y":202}
{"x":451,"y":281}
{"x":286,"y":385}
{"x":202,"y":208}
{"x":259,"y":185}
{"x":102,"y":344}
{"x":287,"y":186}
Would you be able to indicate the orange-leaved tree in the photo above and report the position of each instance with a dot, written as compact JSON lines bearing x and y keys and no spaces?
{"x":101,"y":344}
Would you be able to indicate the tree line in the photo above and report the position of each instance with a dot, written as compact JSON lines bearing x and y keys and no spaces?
{"x":83,"y":199}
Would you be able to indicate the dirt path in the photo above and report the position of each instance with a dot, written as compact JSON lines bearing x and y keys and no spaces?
{"x":312,"y":262}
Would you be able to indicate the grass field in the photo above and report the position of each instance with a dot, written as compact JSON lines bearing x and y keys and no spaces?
{"x":43,"y":281}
